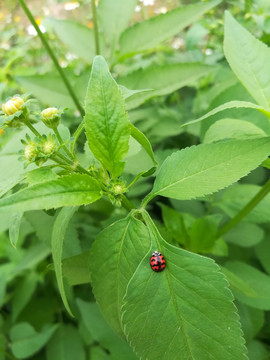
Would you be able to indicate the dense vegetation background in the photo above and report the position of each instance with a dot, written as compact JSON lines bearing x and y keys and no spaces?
{"x":185,"y":74}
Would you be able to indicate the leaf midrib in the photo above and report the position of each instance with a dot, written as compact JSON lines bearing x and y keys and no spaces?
{"x":201,"y":172}
{"x":46,"y":195}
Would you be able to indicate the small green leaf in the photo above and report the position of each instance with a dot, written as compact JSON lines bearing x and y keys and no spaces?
{"x":187,"y":310}
{"x":14,"y":227}
{"x":25,"y":341}
{"x":23,"y":293}
{"x":252,"y":320}
{"x":256,"y":280}
{"x":102,"y":333}
{"x":163,"y":79}
{"x":262,"y":251}
{"x":115,"y":255}
{"x":245,"y":234}
{"x":114,"y":16}
{"x":66,"y":344}
{"x":142,"y":139}
{"x":232,"y":129}
{"x":203,"y":234}
{"x":76,"y":269}
{"x":58,"y":236}
{"x":204,"y":169}
{"x":257,"y":351}
{"x":70,"y":190}
{"x":69,"y":32}
{"x":149,"y":33}
{"x":106,"y":121}
{"x":249,"y":58}
{"x":230,"y":105}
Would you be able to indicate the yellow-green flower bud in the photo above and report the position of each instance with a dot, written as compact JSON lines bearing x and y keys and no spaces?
{"x":51,"y":117}
{"x":30,"y":152}
{"x":49,"y":147}
{"x":12,"y":106}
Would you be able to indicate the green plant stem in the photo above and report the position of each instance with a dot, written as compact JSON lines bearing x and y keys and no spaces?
{"x":94,"y":12}
{"x":146,"y":200}
{"x":61,"y":142}
{"x":52,"y":56}
{"x":31,"y":127}
{"x":127,"y":204}
{"x":250,"y":206}
{"x":76,"y":135}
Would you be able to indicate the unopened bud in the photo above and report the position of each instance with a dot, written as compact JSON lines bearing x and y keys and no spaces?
{"x":30,"y":152}
{"x":51,"y":117}
{"x":49,"y":147}
{"x":12,"y":106}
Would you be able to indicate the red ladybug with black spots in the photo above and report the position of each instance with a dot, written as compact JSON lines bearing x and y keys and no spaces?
{"x":157,"y":262}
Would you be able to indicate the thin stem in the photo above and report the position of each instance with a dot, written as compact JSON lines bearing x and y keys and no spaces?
{"x":94,"y":12}
{"x":31,"y":127}
{"x":146,"y":200}
{"x":61,"y":142}
{"x":250,"y":206}
{"x":52,"y":56}
{"x":127,"y":204}
{"x":76,"y":136}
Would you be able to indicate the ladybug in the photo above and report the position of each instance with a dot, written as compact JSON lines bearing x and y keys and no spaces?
{"x":157,"y":262}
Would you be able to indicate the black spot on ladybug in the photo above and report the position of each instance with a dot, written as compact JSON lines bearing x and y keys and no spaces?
{"x":157,"y":262}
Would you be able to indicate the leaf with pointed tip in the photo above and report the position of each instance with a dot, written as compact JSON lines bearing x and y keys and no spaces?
{"x":204,"y":169}
{"x":114,"y":16}
{"x":106,"y":121}
{"x":187,"y":310}
{"x":58,"y":235}
{"x":114,"y":257}
{"x":225,"y":129}
{"x":230,"y":105}
{"x":70,"y":190}
{"x":162,"y":79}
{"x":249,"y":58}
{"x":149,"y":33}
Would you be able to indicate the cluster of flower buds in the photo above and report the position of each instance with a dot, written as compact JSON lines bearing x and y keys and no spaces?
{"x":14,"y":111}
{"x":116,"y":188}
{"x":38,"y":150}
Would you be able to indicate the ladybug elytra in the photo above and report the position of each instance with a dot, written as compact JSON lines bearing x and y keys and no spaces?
{"x":157,"y":262}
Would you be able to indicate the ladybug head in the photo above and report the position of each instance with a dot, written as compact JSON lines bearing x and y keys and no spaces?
{"x":156,"y":253}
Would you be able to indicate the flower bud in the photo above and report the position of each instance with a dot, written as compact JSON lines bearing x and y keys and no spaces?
{"x":51,"y":117}
{"x":49,"y":147}
{"x":30,"y":152}
{"x":12,"y":106}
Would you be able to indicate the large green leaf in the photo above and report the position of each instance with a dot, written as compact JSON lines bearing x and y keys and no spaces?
{"x":70,"y":190}
{"x":184,"y":312}
{"x":25,"y":341}
{"x":249,"y":59}
{"x":225,"y":129}
{"x":204,"y":169}
{"x":66,"y":344}
{"x":48,"y":88}
{"x":114,"y":258}
{"x":237,"y":196}
{"x":78,"y":38}
{"x":106,"y":121}
{"x":149,"y":33}
{"x":102,"y":333}
{"x":257,"y":281}
{"x":163,"y":79}
{"x":230,"y":105}
{"x":58,"y":235}
{"x":114,"y":16}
